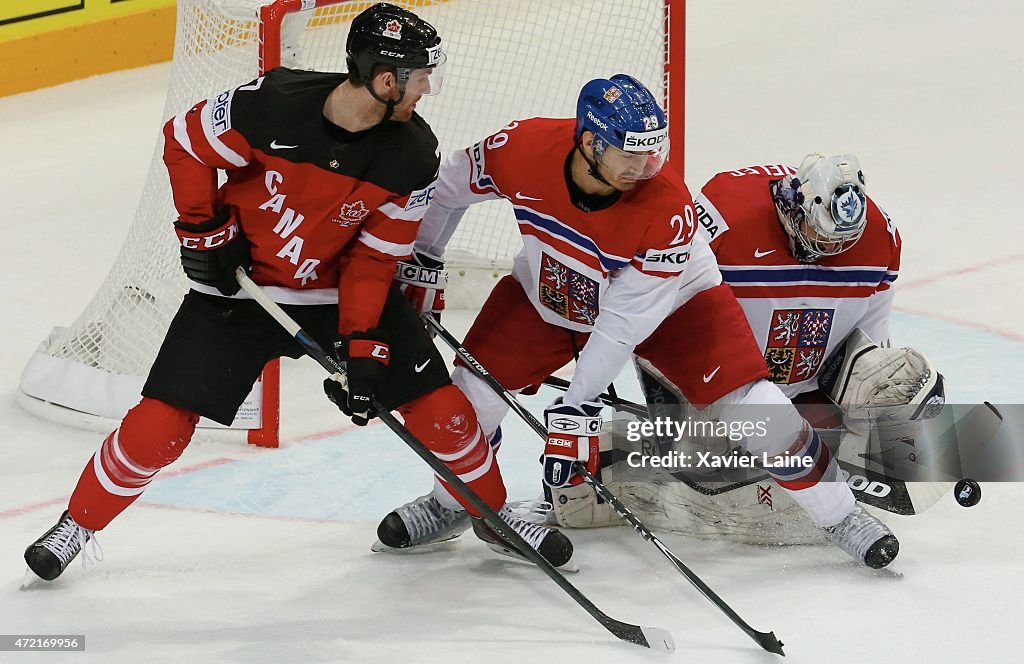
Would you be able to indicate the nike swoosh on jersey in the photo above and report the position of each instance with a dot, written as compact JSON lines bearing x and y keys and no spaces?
{"x":708,"y":377}
{"x":761,"y":254}
{"x":274,"y":145}
{"x":520,"y":196}
{"x":420,"y":367}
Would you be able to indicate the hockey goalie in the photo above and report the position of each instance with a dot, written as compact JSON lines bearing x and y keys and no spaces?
{"x":812,"y":260}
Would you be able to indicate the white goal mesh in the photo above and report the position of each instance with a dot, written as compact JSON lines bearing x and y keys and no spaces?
{"x":509,"y":59}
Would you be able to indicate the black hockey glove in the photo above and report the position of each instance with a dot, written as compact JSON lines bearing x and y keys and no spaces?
{"x":212,"y":249}
{"x":367,"y":355}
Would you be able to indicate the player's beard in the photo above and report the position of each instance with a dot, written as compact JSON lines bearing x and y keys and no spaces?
{"x":403,"y":112}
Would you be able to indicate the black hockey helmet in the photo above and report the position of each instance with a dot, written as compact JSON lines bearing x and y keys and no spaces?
{"x":386,"y":34}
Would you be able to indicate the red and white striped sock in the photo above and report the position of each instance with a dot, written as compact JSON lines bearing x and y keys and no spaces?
{"x":152,"y":435}
{"x":445,"y":422}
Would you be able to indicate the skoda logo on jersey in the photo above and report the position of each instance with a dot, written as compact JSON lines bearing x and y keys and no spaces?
{"x":565,"y":424}
{"x":848,"y":207}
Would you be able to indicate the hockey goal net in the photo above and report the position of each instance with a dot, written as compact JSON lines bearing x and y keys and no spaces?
{"x":509,"y":59}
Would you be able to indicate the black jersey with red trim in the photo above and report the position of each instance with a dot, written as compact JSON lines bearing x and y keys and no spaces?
{"x":328,"y":212}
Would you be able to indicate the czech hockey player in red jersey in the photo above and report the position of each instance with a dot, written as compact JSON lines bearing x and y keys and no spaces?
{"x":811,"y":259}
{"x":328,"y":178}
{"x":605,"y":258}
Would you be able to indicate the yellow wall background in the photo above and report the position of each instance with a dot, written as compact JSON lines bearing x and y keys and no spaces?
{"x":47,"y":42}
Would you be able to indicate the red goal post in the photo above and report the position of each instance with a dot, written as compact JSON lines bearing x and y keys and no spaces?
{"x":508,"y":59}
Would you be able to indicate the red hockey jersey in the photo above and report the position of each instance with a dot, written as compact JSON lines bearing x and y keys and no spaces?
{"x":614,"y":271}
{"x":328,"y":212}
{"x":799,"y":312}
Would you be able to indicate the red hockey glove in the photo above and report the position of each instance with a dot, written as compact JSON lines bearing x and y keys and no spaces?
{"x":366,"y":355}
{"x":212,"y":249}
{"x":572,"y":436}
{"x":423,"y":279}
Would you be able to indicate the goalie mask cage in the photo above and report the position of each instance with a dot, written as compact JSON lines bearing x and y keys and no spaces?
{"x":508,"y":59}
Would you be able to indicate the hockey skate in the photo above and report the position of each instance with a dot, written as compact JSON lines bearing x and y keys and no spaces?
{"x":527,"y":519}
{"x":420,"y":522}
{"x":51,"y":554}
{"x":865,"y":538}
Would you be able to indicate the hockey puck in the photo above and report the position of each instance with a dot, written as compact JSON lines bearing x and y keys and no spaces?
{"x":967,"y":493}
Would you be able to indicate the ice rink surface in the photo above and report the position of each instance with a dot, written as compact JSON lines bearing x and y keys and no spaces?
{"x":246,"y":555}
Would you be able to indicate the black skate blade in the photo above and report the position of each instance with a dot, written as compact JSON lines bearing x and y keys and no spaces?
{"x":570,"y":567}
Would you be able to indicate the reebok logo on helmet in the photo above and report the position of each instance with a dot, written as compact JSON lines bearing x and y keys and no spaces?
{"x":593,"y":118}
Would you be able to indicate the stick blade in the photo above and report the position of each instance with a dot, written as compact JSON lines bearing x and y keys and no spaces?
{"x":654,"y":638}
{"x":769,"y":642}
{"x":659,"y":639}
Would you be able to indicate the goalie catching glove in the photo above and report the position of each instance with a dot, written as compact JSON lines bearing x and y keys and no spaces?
{"x":572,"y":436}
{"x":366,"y":355}
{"x":211,"y":250}
{"x":877,"y":386}
{"x":422,"y":280}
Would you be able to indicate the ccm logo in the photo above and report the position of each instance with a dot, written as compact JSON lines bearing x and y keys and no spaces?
{"x":564,"y":424}
{"x":207,"y":242}
{"x":415,"y":273}
{"x":559,"y":442}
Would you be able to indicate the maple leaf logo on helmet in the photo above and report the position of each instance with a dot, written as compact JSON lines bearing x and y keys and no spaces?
{"x":393,"y":29}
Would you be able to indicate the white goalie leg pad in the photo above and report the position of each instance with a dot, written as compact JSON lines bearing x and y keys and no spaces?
{"x":881,"y":386}
{"x":758,"y":513}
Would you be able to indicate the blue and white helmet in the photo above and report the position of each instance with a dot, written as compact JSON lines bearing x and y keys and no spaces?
{"x":824,"y":206}
{"x":623,"y":114}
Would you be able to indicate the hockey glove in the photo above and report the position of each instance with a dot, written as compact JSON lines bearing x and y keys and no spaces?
{"x":366,"y":355}
{"x":572,"y":436}
{"x":212,"y":249}
{"x":423,"y":279}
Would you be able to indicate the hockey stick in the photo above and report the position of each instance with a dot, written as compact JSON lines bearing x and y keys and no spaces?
{"x":869,"y":486}
{"x":766,"y":640}
{"x":609,"y":399}
{"x":648,"y":637}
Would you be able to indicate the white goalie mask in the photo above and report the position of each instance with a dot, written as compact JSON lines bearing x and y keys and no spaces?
{"x":823,"y":207}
